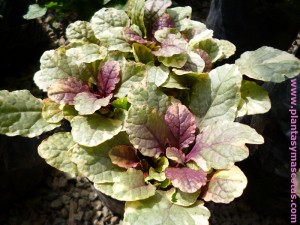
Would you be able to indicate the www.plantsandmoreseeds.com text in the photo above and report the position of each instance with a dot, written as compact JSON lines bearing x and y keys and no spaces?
{"x":293,"y":148}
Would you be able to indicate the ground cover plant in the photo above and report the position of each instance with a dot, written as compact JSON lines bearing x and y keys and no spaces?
{"x":152,"y":117}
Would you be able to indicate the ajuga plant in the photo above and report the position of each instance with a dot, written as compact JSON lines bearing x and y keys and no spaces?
{"x":152,"y":118}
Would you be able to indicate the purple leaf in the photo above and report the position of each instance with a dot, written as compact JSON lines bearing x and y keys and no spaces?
{"x":182,"y":125}
{"x":132,"y":36}
{"x":175,"y":154}
{"x":63,"y":91}
{"x":165,"y":21}
{"x":186,"y":179}
{"x":124,"y":156}
{"x":204,"y":55}
{"x":172,"y":45}
{"x":108,"y":78}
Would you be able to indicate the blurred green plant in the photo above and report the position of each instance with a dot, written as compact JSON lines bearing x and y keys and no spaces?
{"x":83,"y":8}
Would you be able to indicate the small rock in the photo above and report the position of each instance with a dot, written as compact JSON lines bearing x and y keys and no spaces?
{"x":79,"y":216}
{"x":66,"y":199}
{"x":105,"y":211}
{"x":114,"y":220}
{"x":75,"y":194}
{"x":93,"y":196}
{"x":85,"y":193}
{"x":98,"y":215}
{"x":88,"y":215}
{"x":64,"y":213}
{"x":56,"y":204}
{"x":97,"y":205}
{"x":82,"y":203}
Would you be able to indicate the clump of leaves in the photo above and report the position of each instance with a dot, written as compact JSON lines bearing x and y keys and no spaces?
{"x":153,"y":120}
{"x":63,"y":8}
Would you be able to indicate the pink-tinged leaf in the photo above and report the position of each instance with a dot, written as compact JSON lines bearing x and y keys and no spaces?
{"x":124,"y":156}
{"x":64,"y":91}
{"x":146,"y":130}
{"x":175,"y":154}
{"x":155,"y":9}
{"x":204,"y":55}
{"x":186,"y":179}
{"x":182,"y":125}
{"x":108,"y":78}
{"x":220,"y":145}
{"x":132,"y":36}
{"x":172,"y":45}
{"x":165,"y":21}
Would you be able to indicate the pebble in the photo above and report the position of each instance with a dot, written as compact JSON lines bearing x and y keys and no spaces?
{"x":93,"y":196}
{"x":97,"y":205}
{"x":79,"y":216}
{"x":82,"y":203}
{"x":56,"y":203}
{"x":85,"y":193}
{"x":75,"y":194}
{"x":66,"y":199}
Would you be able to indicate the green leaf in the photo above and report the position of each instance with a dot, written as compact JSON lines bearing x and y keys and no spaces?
{"x":128,"y":186}
{"x":86,"y":103}
{"x":87,"y":53}
{"x":69,"y":112}
{"x":35,"y":11}
{"x":228,"y":49}
{"x":142,"y":54}
{"x":180,"y":14}
{"x":175,"y":82}
{"x":137,"y":15}
{"x":147,"y":130}
{"x":95,"y":163}
{"x":52,"y":112}
{"x":159,"y":210}
{"x":155,"y":9}
{"x":56,"y":65}
{"x":154,"y":175}
{"x":255,"y":99}
{"x":222,"y":144}
{"x":176,"y":61}
{"x":161,"y":164}
{"x":114,"y":40}
{"x":226,"y":185}
{"x":107,"y":18}
{"x":97,"y":129}
{"x":121,"y":103}
{"x":80,"y":32}
{"x":201,"y":37}
{"x":217,"y":98}
{"x":194,"y":64}
{"x":149,"y":95}
{"x":157,"y":74}
{"x":55,"y":151}
{"x":21,"y":114}
{"x":133,"y":73}
{"x":268,"y":64}
{"x":212,"y":47}
{"x":182,"y":198}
